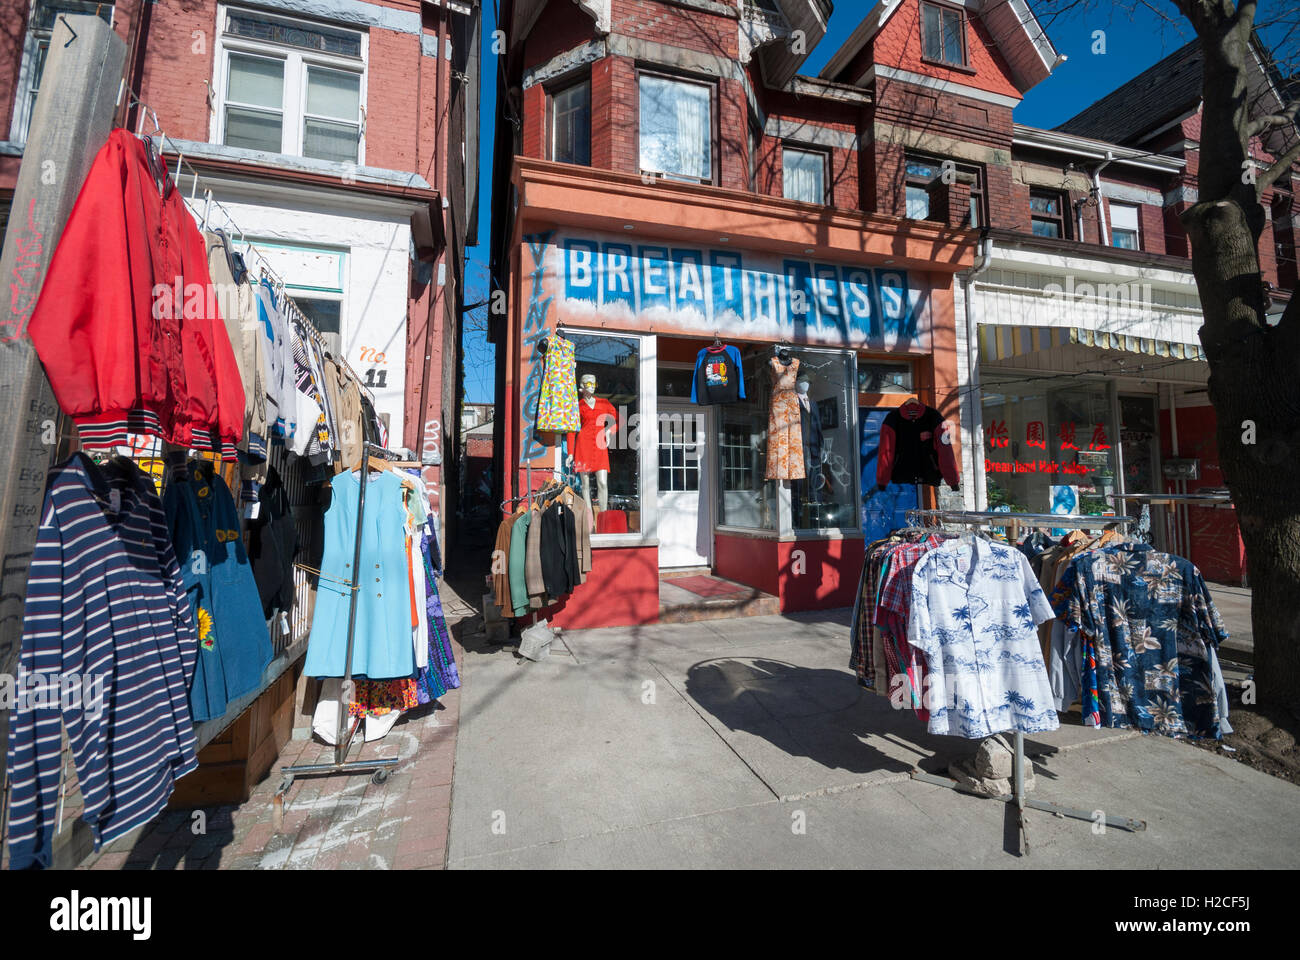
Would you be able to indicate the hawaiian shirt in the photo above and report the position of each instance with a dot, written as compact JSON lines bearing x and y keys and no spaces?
{"x":1152,"y":621}
{"x":975,"y":609}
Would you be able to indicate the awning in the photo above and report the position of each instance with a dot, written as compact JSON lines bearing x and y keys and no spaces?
{"x":1004,"y":341}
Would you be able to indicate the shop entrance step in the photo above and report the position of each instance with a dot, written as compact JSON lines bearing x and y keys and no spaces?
{"x":686,"y":596}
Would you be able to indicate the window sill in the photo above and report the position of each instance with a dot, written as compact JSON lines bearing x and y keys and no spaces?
{"x":944,"y":65}
{"x":348,"y":172}
{"x":12,"y":148}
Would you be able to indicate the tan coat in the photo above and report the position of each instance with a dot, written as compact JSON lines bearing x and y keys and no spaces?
{"x":345,"y":396}
{"x":238,"y":305}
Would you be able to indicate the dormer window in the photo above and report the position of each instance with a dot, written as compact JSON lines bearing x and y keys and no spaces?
{"x":943,"y":34}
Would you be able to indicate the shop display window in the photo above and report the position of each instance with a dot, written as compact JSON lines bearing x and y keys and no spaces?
{"x":615,"y":494}
{"x":745,"y":499}
{"x":1049,"y":450}
{"x":826,"y":499}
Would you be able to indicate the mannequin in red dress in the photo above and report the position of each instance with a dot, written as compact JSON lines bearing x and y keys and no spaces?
{"x":589,"y":453}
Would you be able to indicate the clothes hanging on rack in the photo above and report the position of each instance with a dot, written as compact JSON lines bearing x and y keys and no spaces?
{"x":785,"y":459}
{"x":915,"y":448}
{"x":382,"y":648}
{"x":557,"y":403}
{"x":272,"y":544}
{"x":103,"y":566}
{"x":542,"y":551}
{"x":1150,"y":625}
{"x":280,"y":399}
{"x":234,"y":645}
{"x":345,"y":399}
{"x":125,"y":325}
{"x":975,"y":609}
{"x":719,"y":376}
{"x":238,"y":302}
{"x":441,"y":674}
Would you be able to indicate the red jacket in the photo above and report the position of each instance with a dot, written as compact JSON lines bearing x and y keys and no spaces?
{"x":123,"y":352}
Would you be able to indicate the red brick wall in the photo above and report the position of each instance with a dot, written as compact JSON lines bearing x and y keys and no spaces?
{"x":898,"y":45}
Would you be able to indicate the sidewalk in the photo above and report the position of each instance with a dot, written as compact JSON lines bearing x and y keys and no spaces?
{"x":1234,"y":606}
{"x":747,"y":743}
{"x":329,"y":823}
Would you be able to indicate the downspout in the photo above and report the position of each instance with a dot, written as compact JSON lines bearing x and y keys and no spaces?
{"x":982,"y":261}
{"x":1096,"y":190}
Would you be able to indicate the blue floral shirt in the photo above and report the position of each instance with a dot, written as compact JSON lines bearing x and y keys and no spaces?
{"x":976,"y":605}
{"x":1151,"y":618}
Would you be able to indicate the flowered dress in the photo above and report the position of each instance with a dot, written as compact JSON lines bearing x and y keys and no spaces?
{"x":557,"y":405}
{"x":784,"y":435}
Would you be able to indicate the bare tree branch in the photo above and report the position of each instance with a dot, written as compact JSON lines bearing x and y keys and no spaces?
{"x":1267,"y":122}
{"x":1281,"y":165}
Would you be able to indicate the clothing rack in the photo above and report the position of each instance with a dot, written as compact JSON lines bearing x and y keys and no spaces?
{"x":1014,"y":521}
{"x":1221,"y":501}
{"x":379,"y":765}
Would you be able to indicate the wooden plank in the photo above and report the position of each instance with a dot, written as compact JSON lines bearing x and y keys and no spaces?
{"x":73,"y":117}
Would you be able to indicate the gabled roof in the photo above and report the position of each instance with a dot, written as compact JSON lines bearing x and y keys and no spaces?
{"x":1021,"y":40}
{"x":1156,"y":96}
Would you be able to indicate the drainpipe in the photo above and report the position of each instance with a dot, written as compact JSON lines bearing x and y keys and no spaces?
{"x":1096,"y":188}
{"x":982,"y":261}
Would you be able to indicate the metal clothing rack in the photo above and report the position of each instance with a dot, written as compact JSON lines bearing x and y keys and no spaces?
{"x":343,"y":736}
{"x":1014,"y":521}
{"x":1221,"y":501}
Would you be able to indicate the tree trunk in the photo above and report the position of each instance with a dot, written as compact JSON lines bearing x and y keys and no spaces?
{"x":1255,"y":389}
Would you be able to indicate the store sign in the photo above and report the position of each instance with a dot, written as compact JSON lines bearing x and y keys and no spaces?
{"x":614,"y":281}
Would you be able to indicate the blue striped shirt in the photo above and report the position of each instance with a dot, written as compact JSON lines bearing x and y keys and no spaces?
{"x":104,"y":599}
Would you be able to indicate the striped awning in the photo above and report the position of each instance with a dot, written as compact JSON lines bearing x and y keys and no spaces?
{"x":1004,"y":341}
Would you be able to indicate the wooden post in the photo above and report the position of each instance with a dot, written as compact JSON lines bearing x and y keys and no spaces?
{"x":73,"y":117}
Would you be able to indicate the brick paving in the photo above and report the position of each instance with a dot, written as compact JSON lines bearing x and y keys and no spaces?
{"x":328,"y":823}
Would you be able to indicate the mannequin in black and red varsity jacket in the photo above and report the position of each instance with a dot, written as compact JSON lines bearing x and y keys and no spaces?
{"x":915,"y":448}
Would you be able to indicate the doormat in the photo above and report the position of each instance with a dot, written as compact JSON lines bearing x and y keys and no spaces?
{"x":705,"y":586}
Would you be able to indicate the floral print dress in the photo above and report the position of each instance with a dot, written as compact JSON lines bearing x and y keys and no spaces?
{"x":784,"y":434}
{"x":557,"y":405}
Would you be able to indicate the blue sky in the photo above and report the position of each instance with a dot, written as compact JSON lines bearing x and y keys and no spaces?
{"x":1134,"y":40}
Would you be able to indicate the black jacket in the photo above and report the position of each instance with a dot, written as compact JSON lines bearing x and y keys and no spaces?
{"x":273,"y":541}
{"x":559,"y":551}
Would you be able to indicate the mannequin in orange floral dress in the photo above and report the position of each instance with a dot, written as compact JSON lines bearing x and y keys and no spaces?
{"x":784,"y":432}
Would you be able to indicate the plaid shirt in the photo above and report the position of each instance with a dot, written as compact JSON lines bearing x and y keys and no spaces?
{"x":864,"y":613}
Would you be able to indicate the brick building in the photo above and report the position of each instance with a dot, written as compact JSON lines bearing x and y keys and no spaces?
{"x":1047,"y":295}
{"x":332,"y":136}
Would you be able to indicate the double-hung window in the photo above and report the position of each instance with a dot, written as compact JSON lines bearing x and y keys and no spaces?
{"x":1124,"y":226}
{"x":40,"y":28}
{"x":803,"y":174}
{"x":676,"y":120}
{"x":290,"y":86}
{"x":943,"y":34}
{"x":571,"y":124}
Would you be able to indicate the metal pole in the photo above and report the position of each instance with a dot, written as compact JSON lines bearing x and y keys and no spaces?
{"x":345,"y":694}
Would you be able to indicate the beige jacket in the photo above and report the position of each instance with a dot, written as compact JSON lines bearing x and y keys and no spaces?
{"x":238,"y":305}
{"x":345,"y":397}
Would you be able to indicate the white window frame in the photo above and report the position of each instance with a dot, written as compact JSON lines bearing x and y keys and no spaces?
{"x":21,"y":121}
{"x":648,"y":452}
{"x":1136,"y":230}
{"x":296,"y":64}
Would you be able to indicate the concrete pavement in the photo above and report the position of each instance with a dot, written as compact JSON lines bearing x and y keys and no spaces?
{"x":747,"y":743}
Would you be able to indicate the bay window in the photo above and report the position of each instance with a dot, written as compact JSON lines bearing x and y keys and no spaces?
{"x":290,"y":86}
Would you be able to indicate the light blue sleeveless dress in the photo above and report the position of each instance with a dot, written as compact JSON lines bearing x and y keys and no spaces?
{"x":383,"y":648}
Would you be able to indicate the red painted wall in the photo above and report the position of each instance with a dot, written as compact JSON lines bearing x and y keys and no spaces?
{"x":826,"y":574}
{"x":747,"y":560}
{"x":622,"y":590}
{"x":1216,"y":546}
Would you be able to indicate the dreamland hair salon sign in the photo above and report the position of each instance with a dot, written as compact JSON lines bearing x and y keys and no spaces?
{"x":610,"y":281}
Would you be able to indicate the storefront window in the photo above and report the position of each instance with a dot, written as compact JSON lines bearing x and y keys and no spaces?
{"x":884,"y":377}
{"x":825,"y":498}
{"x":1048,"y":451}
{"x":607,"y":474}
{"x":745,"y":499}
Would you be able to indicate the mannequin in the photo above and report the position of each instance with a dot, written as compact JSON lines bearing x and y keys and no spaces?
{"x":588,"y":449}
